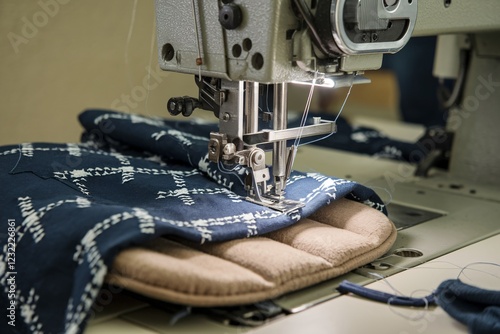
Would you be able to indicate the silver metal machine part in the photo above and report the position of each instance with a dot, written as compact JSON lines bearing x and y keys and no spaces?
{"x":279,"y":150}
{"x":273,"y":38}
{"x":374,"y":25}
{"x":264,"y":42}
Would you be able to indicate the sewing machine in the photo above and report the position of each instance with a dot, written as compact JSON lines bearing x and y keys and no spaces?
{"x":239,"y":50}
{"x":238,"y":47}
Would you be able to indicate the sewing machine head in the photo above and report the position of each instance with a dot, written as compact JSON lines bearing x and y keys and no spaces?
{"x":235,"y":47}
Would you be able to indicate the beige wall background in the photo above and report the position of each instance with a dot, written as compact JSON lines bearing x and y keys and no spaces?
{"x":59,"y":57}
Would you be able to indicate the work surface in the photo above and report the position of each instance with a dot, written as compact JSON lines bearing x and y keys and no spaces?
{"x":348,"y":314}
{"x":345,"y":314}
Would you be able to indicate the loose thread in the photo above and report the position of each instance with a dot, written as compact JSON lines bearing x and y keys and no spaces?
{"x":129,"y":38}
{"x":233,"y":171}
{"x":422,"y":314}
{"x":199,"y":60}
{"x":336,"y":118}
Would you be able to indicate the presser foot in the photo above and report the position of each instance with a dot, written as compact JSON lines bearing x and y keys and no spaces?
{"x":281,"y":205}
{"x":261,"y":194}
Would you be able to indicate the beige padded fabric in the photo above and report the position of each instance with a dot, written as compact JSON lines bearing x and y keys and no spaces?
{"x":336,"y":239}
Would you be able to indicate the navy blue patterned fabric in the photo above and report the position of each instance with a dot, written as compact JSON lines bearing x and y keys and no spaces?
{"x":477,"y":308}
{"x":72,"y":207}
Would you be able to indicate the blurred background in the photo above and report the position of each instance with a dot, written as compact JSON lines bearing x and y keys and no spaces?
{"x":59,"y":57}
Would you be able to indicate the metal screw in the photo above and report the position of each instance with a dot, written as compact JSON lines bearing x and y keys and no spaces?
{"x":258,"y":158}
{"x":213,"y":147}
{"x":331,"y":68}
